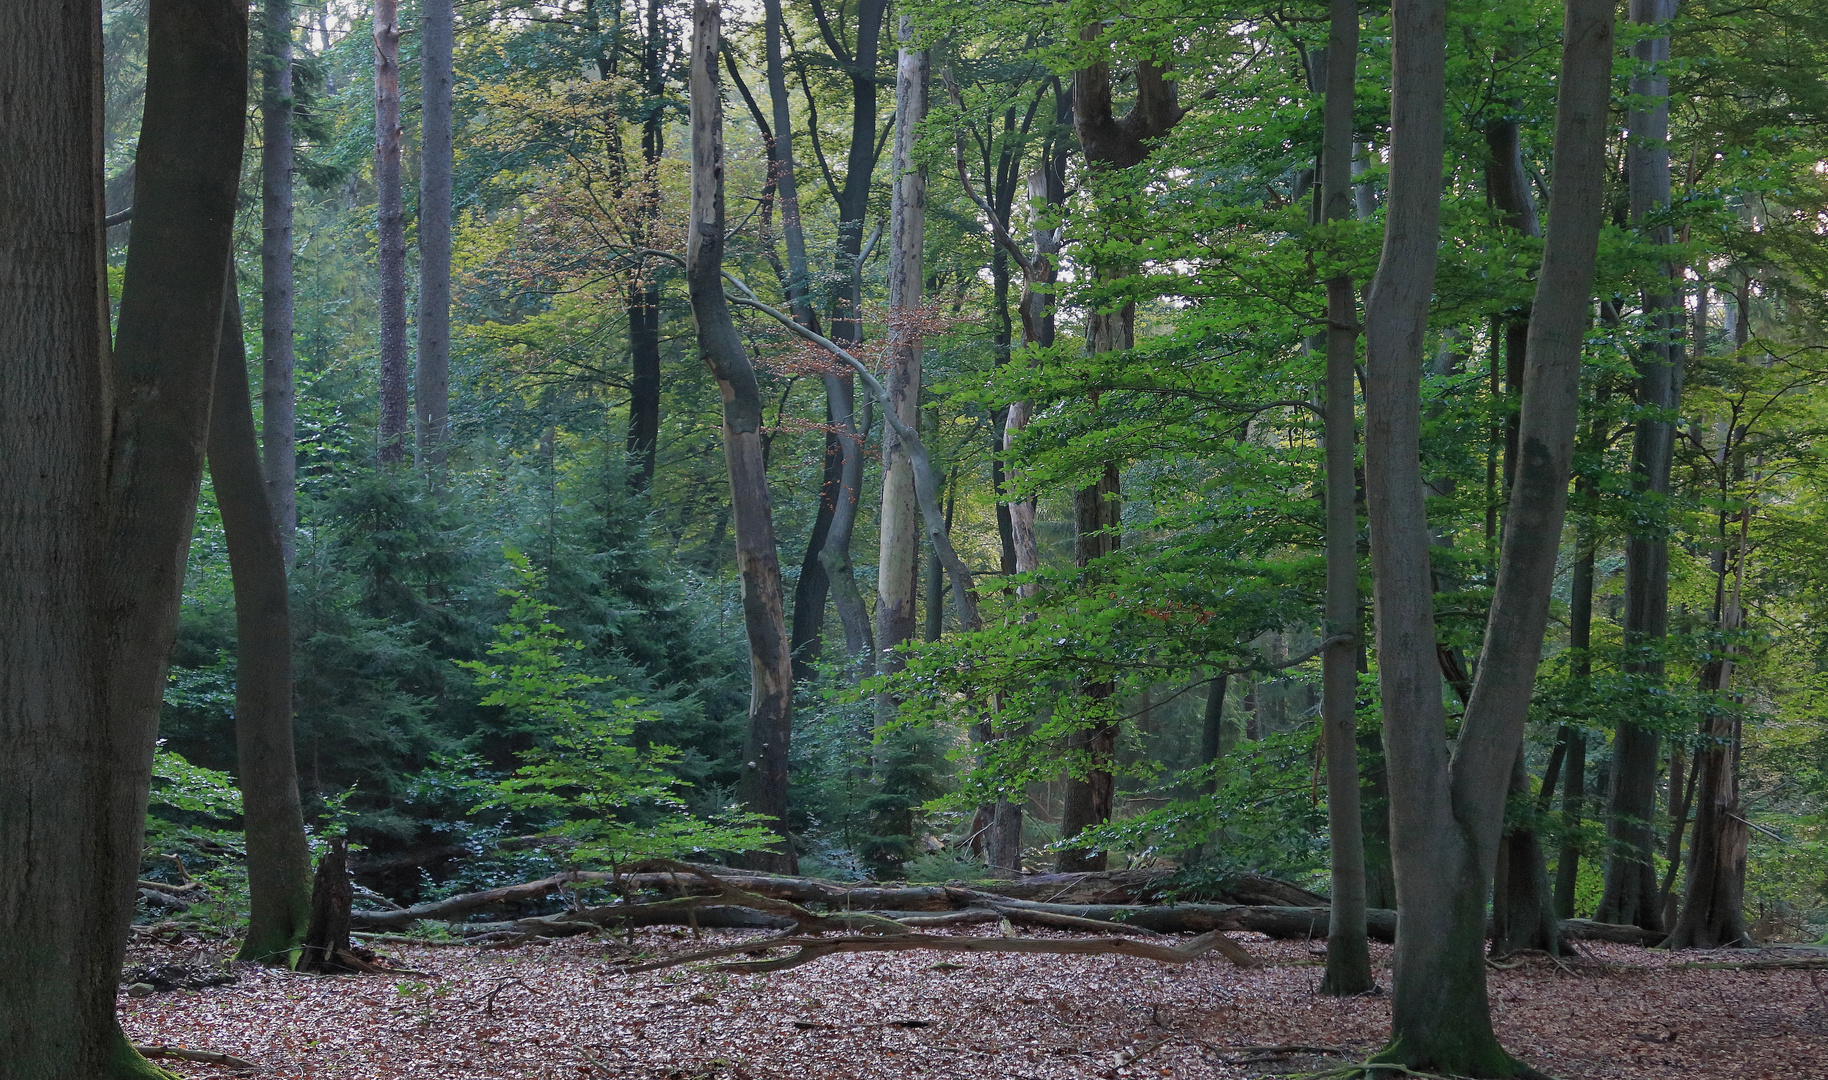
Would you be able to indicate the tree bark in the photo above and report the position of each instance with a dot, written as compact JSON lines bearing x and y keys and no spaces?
{"x":279,"y":436}
{"x":895,"y":569}
{"x":390,"y":234}
{"x":1348,"y":959}
{"x":332,"y":896}
{"x":278,"y":858}
{"x":432,"y":378}
{"x":764,"y":778}
{"x":1446,"y":826}
{"x":1713,"y":902}
{"x":1091,"y":788}
{"x":642,"y":299}
{"x":1574,"y":764}
{"x":100,"y":466}
{"x":1631,"y":894}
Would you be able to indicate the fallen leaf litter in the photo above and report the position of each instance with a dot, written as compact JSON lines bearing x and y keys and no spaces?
{"x":565,"y":1010}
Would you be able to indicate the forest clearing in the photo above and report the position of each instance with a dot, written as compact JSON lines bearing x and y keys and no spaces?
{"x":566,"y":1012}
{"x":886,"y":538}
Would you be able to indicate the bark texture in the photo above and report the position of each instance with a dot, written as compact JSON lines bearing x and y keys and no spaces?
{"x":1348,"y":957}
{"x":764,"y":777}
{"x":279,"y":860}
{"x":277,"y":396}
{"x":1631,"y":894}
{"x":432,"y":378}
{"x":390,"y":232}
{"x":1446,"y":825}
{"x":101,"y":465}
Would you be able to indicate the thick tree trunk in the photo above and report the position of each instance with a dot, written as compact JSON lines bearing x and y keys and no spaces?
{"x":100,"y":467}
{"x":279,"y":861}
{"x":390,"y":234}
{"x":1091,"y":787}
{"x":432,"y":378}
{"x":1446,"y":825}
{"x":279,"y":437}
{"x":1523,"y":915}
{"x":642,"y":299}
{"x":1348,"y":958}
{"x":62,"y":898}
{"x":764,"y":779}
{"x":1631,"y":894}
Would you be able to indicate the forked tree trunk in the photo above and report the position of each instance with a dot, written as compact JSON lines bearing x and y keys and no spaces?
{"x":390,"y":235}
{"x":1348,"y":956}
{"x":277,"y":397}
{"x":432,"y":379}
{"x":1445,"y":827}
{"x":763,"y":785}
{"x":99,"y":471}
{"x":1631,"y":894}
{"x":278,"y":859}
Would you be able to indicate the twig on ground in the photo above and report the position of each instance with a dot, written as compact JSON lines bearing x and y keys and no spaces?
{"x":207,"y":1057}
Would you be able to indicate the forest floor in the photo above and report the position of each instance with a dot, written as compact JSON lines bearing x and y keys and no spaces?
{"x":565,"y":1010}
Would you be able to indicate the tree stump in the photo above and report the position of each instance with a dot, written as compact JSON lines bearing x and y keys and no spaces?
{"x":326,"y":947}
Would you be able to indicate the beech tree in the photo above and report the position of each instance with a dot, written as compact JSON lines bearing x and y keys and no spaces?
{"x":1445,"y":825}
{"x":103,"y":456}
{"x":432,"y":377}
{"x":278,"y":395}
{"x":764,"y":775}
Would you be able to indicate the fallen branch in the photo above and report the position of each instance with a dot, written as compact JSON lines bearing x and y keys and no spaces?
{"x":812,"y":948}
{"x":207,"y":1057}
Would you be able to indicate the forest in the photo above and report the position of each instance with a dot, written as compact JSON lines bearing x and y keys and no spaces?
{"x":542,"y":537}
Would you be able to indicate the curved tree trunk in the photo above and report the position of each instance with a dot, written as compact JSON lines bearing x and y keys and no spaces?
{"x":1348,"y":957}
{"x":764,"y":779}
{"x":1631,"y":894}
{"x":432,"y":378}
{"x":279,"y":437}
{"x":390,"y":255}
{"x":279,"y":860}
{"x":1446,"y":825}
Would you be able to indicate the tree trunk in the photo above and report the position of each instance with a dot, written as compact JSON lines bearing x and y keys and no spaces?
{"x":1523,"y":915}
{"x":432,"y":379}
{"x":1348,"y":958}
{"x":278,"y":858}
{"x":99,"y":471}
{"x":642,"y":299}
{"x":1090,"y":786}
{"x":897,"y":566}
{"x":764,"y":779}
{"x":1631,"y":894}
{"x":390,"y":254}
{"x":1713,"y":903}
{"x":807,"y":635}
{"x":1446,"y":825}
{"x":279,"y":436}
{"x":835,"y":555}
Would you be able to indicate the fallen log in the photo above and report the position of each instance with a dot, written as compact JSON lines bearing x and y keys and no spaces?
{"x":1616,"y":933}
{"x":456,"y":907}
{"x":208,"y":1057}
{"x":808,"y":949}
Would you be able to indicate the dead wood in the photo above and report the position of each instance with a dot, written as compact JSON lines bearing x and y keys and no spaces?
{"x":1616,"y":933}
{"x":327,"y":938}
{"x":457,"y":906}
{"x":208,"y":1057}
{"x":809,"y":949}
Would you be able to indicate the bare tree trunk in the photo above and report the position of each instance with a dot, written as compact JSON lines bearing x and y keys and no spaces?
{"x":1348,"y":957}
{"x":432,"y":379}
{"x":279,"y":860}
{"x":1574,"y":765}
{"x":390,"y":255}
{"x":100,"y":466}
{"x":1446,"y":825}
{"x":1631,"y":894}
{"x":764,"y":779}
{"x":279,"y":436}
{"x":895,"y":568}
